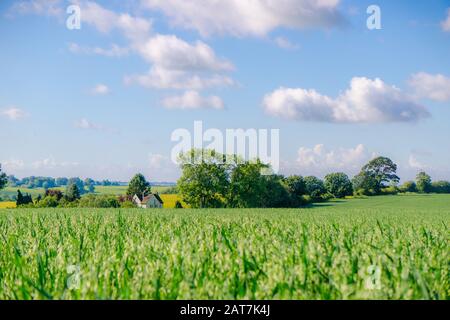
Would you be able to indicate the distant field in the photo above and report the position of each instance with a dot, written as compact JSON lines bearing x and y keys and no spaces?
{"x":8,"y":204}
{"x":114,"y":190}
{"x":390,"y":247}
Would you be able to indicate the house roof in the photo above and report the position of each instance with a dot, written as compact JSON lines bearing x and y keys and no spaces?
{"x":146,"y":198}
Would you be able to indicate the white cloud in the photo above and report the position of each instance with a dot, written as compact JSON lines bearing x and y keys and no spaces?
{"x":366,"y":101}
{"x":13,"y":113}
{"x":105,"y":21}
{"x":12,"y":165}
{"x":51,"y":163}
{"x":445,"y":25}
{"x":161,"y":78}
{"x":100,"y":89}
{"x":414,"y":163}
{"x":40,"y":7}
{"x":87,"y":125}
{"x":113,"y":51}
{"x":320,"y":160}
{"x":193,"y":100}
{"x":177,"y":64}
{"x":431,"y":86}
{"x":172,"y":53}
{"x":285,"y":43}
{"x":248,"y":18}
{"x":161,"y":168}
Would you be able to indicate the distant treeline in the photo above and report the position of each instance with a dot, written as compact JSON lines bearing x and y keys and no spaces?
{"x":210,"y":180}
{"x":49,"y":182}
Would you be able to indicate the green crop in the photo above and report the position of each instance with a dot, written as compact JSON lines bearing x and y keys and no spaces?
{"x":378,"y":248}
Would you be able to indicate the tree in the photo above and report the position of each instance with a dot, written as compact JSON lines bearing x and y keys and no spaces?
{"x":78,"y":182}
{"x":383,"y":171}
{"x":19,"y":199}
{"x":408,"y":186}
{"x":441,"y":187}
{"x":3,"y":178}
{"x":204,"y":180}
{"x":90,"y":184}
{"x":62,"y":182}
{"x":138,"y":186}
{"x":275,"y":194}
{"x":295,"y":185}
{"x":365,"y":184}
{"x":247,"y":185}
{"x":423,"y":182}
{"x":338,"y":184}
{"x":72,"y":192}
{"x":53,"y":193}
{"x":23,"y":199}
{"x":314,"y":187}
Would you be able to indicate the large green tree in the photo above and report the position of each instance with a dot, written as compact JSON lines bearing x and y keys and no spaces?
{"x":338,"y":184}
{"x":205,"y":178}
{"x":423,"y":182}
{"x":138,"y":186}
{"x":382,"y":171}
{"x":247,"y":185}
{"x":3,"y":178}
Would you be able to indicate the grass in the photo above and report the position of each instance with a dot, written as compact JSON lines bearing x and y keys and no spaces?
{"x":393,"y":247}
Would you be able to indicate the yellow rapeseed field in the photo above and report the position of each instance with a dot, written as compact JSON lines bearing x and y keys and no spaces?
{"x":170,"y":200}
{"x":6,"y":205}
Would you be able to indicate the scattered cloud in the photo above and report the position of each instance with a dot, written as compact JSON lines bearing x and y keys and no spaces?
{"x":51,"y":163}
{"x":431,"y":86}
{"x":248,"y":18}
{"x":113,"y":51}
{"x":161,"y":168}
{"x":87,"y":125}
{"x":445,"y":25}
{"x":285,"y":43}
{"x":414,"y":163}
{"x":105,"y":21}
{"x":39,"y":7}
{"x":321,"y":160}
{"x":177,"y":64}
{"x":172,"y":53}
{"x":13,"y":113}
{"x":100,"y":89}
{"x":193,"y":100}
{"x":366,"y":101}
{"x":12,"y":165}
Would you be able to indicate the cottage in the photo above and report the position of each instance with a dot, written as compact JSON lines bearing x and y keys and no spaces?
{"x":153,"y":200}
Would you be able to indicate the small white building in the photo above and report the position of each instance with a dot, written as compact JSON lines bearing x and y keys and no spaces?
{"x":153,"y":200}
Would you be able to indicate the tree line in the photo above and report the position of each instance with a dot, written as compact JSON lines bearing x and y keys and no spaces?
{"x":210,"y":180}
{"x":49,"y":182}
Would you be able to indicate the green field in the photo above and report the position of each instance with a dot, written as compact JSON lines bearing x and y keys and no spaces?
{"x":112,"y":190}
{"x":392,"y":247}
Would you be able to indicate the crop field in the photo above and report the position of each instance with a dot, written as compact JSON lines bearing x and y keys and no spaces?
{"x":111,"y":190}
{"x":390,"y":247}
{"x":7,"y":204}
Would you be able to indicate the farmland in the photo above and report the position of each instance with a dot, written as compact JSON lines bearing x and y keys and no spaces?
{"x":111,"y":190}
{"x":388,"y":247}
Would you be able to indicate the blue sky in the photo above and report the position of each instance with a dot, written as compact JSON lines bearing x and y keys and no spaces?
{"x":103,"y":101}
